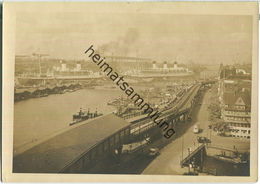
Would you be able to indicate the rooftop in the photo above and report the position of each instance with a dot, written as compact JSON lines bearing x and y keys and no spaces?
{"x":233,"y":98}
{"x":237,"y":85}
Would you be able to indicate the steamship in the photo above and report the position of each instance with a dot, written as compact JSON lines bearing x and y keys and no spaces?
{"x":84,"y":115}
{"x":165,"y":71}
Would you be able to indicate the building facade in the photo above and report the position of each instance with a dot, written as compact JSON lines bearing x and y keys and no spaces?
{"x":235,"y":102}
{"x":236,"y":111}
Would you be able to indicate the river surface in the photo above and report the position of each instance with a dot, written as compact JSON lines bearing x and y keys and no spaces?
{"x":37,"y":118}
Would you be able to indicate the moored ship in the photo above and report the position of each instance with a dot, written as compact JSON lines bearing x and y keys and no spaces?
{"x":84,"y":115}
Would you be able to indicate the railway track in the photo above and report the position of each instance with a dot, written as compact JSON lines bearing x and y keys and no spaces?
{"x":149,"y":123}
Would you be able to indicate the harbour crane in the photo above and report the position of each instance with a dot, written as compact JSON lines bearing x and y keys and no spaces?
{"x":39,"y":56}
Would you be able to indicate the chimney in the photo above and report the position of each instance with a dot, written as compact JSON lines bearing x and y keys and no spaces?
{"x":154,"y":64}
{"x":165,"y":65}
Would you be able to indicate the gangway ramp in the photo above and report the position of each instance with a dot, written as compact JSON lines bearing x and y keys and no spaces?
{"x":198,"y":152}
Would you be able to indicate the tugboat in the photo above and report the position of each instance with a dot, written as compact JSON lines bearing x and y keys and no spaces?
{"x":83,"y":115}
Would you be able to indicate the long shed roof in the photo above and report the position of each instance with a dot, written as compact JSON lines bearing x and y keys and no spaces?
{"x":54,"y":154}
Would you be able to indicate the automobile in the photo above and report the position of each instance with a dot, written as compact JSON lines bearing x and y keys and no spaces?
{"x":203,"y":140}
{"x":153,"y":152}
{"x":196,"y":129}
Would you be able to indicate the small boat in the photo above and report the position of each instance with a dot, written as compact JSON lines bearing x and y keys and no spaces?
{"x":114,"y":102}
{"x":71,"y":90}
{"x":41,"y":95}
{"x":84,"y":115}
{"x":61,"y":92}
{"x":45,"y":95}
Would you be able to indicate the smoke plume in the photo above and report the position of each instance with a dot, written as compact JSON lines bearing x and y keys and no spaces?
{"x":123,"y":46}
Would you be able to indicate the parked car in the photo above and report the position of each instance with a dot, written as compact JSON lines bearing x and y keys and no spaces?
{"x":203,"y":140}
{"x":196,"y":129}
{"x":153,"y":152}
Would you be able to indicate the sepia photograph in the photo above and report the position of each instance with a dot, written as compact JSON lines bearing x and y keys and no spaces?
{"x":162,"y":90}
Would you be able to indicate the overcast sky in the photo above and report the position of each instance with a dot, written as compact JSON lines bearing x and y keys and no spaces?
{"x":162,"y":37}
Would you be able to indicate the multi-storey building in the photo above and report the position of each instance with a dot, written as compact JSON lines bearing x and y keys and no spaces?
{"x":235,"y":102}
{"x":236,"y":111}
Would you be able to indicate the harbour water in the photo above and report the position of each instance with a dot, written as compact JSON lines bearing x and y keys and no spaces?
{"x":37,"y":118}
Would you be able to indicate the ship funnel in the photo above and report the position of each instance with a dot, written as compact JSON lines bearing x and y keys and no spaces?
{"x":78,"y":66}
{"x":63,"y":66}
{"x":165,"y":65}
{"x":175,"y":65}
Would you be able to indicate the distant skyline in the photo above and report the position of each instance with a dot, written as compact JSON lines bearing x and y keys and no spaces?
{"x":201,"y":39}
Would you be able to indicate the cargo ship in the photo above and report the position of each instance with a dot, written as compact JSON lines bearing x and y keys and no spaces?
{"x":84,"y":115}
